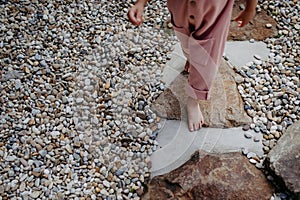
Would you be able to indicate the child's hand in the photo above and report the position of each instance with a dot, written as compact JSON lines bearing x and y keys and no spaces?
{"x":244,"y":17}
{"x":135,"y":14}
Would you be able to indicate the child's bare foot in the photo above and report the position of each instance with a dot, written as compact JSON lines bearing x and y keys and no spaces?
{"x":195,"y":118}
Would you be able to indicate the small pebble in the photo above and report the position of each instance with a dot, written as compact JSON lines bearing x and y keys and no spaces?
{"x":246,"y":127}
{"x":268,"y":25}
{"x":248,"y":135}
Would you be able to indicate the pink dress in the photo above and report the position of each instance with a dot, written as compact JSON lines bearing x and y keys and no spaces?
{"x":202,"y":28}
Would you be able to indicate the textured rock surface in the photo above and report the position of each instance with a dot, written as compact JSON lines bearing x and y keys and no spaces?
{"x":215,"y":114}
{"x":168,"y":105}
{"x":284,"y":158}
{"x":256,"y":29}
{"x":212,"y":176}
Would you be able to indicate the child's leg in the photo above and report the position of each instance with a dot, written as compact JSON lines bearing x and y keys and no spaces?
{"x":206,"y":45}
{"x":203,"y":35}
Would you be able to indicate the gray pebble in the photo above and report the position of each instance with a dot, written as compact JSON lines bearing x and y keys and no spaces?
{"x":251,"y":155}
{"x":248,"y":135}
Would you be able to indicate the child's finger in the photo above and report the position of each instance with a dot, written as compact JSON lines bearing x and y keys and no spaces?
{"x":139,"y":17}
{"x":135,"y":17}
{"x":241,"y":22}
{"x":238,"y":19}
{"x":131,"y":17}
{"x":244,"y":22}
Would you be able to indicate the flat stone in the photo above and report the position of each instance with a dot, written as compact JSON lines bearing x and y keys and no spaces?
{"x":245,"y":52}
{"x":174,"y":66}
{"x":284,"y":158}
{"x":214,"y":112}
{"x":212,"y":176}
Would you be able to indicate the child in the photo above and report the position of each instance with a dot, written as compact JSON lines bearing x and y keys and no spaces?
{"x":202,"y":27}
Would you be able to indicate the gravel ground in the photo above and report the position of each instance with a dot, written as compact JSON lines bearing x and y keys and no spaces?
{"x":270,"y":88}
{"x":76,"y":84}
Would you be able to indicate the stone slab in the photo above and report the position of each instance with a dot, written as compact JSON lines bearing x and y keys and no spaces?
{"x":240,"y":53}
{"x":177,"y":144}
{"x":174,"y":66}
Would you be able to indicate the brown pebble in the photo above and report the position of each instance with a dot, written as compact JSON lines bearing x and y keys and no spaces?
{"x":268,"y":101}
{"x":35,"y":154}
{"x":77,"y":144}
{"x":158,"y":119}
{"x":256,"y":158}
{"x":38,"y":147}
{"x":140,"y":191}
{"x":31,"y":122}
{"x":31,"y":184}
{"x":271,"y":137}
{"x":107,"y":85}
{"x":36,"y":174}
{"x":277,"y":135}
{"x":50,"y":147}
{"x":97,"y":190}
{"x":246,"y":127}
{"x":170,"y":25}
{"x":134,"y":175}
{"x":24,"y":162}
{"x":26,"y":70}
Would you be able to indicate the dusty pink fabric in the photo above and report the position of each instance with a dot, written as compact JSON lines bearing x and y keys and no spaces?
{"x":203,"y":42}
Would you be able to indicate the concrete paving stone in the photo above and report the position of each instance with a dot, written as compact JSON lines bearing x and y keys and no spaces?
{"x":238,"y":52}
{"x":241,"y":52}
{"x":178,"y":144}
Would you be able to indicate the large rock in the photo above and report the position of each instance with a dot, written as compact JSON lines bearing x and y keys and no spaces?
{"x":256,"y":29}
{"x":167,"y":105}
{"x":284,"y":158}
{"x":225,"y":108}
{"x":212,"y":176}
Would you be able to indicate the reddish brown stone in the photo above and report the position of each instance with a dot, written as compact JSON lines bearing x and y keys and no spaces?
{"x":284,"y":159}
{"x":167,"y":105}
{"x":212,"y":176}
